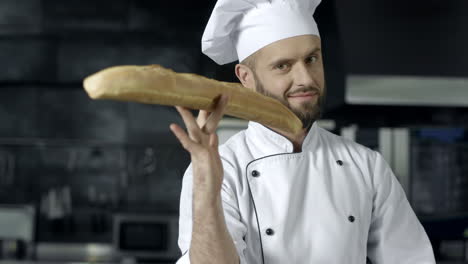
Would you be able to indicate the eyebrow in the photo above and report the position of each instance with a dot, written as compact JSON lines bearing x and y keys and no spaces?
{"x":286,"y":60}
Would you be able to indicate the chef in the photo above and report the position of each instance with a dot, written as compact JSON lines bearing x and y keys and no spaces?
{"x":266,"y":196}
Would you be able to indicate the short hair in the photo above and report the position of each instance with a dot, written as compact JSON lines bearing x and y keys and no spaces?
{"x":251,"y":61}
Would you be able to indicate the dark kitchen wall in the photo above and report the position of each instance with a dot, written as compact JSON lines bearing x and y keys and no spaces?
{"x":47,"y":47}
{"x":52,"y":135}
{"x":399,"y":37}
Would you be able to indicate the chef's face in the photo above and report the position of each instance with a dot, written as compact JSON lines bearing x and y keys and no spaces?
{"x":291,"y":71}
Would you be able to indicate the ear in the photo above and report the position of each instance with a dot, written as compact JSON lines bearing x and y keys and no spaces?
{"x":245,"y":76}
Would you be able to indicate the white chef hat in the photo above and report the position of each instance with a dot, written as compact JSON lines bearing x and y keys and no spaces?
{"x":238,"y":28}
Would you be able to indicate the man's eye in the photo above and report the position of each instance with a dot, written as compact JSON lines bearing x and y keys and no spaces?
{"x":283,"y":66}
{"x":312,"y":59}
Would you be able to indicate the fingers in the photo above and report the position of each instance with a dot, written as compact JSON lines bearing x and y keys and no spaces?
{"x":202,"y":117}
{"x":192,"y":126}
{"x":213,"y":120}
{"x":183,"y":138}
{"x":202,"y":130}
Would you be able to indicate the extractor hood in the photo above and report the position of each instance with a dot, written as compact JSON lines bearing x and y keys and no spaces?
{"x":400,"y":52}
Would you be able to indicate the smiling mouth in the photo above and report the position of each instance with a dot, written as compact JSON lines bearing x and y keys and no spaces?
{"x":303,"y":95}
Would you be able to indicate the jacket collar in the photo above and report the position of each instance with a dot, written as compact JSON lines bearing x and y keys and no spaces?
{"x":273,"y":143}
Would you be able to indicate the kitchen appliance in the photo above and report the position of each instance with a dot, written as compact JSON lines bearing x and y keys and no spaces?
{"x":392,"y":67}
{"x":16,"y":231}
{"x":429,"y":162}
{"x":146,"y":237}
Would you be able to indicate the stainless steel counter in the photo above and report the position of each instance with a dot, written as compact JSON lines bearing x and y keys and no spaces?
{"x":76,"y":252}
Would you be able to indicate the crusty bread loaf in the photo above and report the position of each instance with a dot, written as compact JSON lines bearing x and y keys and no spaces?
{"x":155,"y":84}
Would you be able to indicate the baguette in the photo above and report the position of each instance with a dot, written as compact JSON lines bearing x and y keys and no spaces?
{"x":155,"y":84}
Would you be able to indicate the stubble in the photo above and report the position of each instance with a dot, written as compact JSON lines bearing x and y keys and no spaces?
{"x":307,"y":112}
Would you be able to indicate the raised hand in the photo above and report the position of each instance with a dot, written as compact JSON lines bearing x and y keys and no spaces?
{"x":201,"y":142}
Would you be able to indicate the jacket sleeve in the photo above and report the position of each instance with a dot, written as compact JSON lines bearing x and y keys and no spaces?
{"x":236,"y":228}
{"x":395,"y":235}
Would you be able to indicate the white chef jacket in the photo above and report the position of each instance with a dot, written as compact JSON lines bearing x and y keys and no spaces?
{"x":334,"y":202}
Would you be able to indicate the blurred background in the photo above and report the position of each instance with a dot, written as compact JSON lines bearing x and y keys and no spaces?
{"x":85,"y":181}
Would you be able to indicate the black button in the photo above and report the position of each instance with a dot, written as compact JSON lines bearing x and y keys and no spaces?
{"x":255,"y":173}
{"x":351,"y":218}
{"x":269,"y":231}
{"x":339,"y":162}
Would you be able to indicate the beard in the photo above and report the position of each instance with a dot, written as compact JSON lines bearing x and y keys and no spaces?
{"x":307,"y":112}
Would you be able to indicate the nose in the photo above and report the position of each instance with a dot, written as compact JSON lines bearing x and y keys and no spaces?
{"x":303,"y":76}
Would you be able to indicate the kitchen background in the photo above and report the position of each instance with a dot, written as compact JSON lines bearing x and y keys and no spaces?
{"x":85,"y":181}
